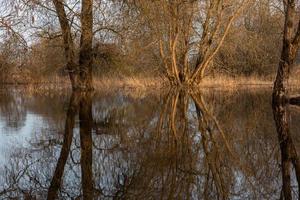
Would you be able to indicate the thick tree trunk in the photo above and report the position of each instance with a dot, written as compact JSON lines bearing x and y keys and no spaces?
{"x":286,"y":59}
{"x":86,"y":45}
{"x":68,"y":43}
{"x":289,"y":49}
{"x":80,"y":74}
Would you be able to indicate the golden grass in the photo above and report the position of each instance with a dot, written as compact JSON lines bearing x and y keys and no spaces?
{"x":254,"y":83}
{"x":249,"y":82}
{"x":139,"y":85}
{"x":155,"y":84}
{"x":130,"y":83}
{"x":224,"y":81}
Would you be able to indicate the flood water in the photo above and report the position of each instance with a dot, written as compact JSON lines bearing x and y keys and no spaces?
{"x":212,"y":144}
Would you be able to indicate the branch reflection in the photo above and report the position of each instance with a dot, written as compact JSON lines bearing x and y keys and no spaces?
{"x":183,"y":145}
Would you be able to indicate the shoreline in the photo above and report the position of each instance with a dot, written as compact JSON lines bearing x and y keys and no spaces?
{"x":114,"y":84}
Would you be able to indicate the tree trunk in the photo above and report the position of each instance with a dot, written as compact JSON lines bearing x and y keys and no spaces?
{"x":86,"y":45}
{"x":80,"y":74}
{"x":290,"y":47}
{"x":288,"y":53}
{"x":68,"y":43}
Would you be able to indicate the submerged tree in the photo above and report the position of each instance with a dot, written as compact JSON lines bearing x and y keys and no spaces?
{"x":289,"y":155}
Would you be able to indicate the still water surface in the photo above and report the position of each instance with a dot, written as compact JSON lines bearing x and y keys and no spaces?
{"x":174,"y":145}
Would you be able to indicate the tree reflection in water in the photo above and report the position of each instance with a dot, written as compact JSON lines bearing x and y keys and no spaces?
{"x":81,"y":102}
{"x":289,"y":157}
{"x":180,"y":146}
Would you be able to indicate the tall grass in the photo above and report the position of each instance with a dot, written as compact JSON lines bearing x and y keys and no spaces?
{"x":142,"y":83}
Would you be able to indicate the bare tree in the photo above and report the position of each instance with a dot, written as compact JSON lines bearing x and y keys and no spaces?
{"x":189,"y":33}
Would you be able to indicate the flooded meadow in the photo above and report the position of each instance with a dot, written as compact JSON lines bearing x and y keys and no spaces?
{"x":209,"y":144}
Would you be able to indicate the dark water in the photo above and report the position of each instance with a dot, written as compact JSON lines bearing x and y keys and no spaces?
{"x":205,"y":145}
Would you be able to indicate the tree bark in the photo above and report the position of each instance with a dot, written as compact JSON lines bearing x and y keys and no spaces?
{"x":86,"y":45}
{"x":288,"y":54}
{"x":289,"y":157}
{"x":68,"y":42}
{"x":80,"y":74}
